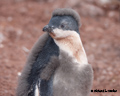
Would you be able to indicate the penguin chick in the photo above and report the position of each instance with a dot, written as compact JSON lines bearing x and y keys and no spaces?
{"x":73,"y":75}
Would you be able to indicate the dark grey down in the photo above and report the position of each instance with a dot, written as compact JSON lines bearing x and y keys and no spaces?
{"x":43,"y":58}
{"x":70,"y":78}
{"x":38,"y":59}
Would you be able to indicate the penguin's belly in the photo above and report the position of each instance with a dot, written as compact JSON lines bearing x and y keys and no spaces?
{"x":72,"y":80}
{"x":66,"y":82}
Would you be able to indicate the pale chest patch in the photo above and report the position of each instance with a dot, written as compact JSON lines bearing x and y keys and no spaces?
{"x":71,"y":43}
{"x":36,"y":91}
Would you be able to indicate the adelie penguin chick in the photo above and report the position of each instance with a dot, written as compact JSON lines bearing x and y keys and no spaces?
{"x":57,"y":64}
{"x":72,"y":75}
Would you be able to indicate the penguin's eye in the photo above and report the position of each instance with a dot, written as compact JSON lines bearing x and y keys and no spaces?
{"x":62,"y":26}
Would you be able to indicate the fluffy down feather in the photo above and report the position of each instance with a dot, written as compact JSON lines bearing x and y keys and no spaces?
{"x":69,"y":78}
{"x":22,"y":88}
{"x":67,"y":12}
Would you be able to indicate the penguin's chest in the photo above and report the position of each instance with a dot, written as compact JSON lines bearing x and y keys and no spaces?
{"x":65,"y":77}
{"x":73,"y":81}
{"x":62,"y":81}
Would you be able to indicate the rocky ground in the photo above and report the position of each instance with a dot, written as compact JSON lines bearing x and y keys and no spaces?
{"x":21,"y":23}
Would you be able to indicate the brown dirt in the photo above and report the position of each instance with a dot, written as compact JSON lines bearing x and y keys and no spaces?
{"x":21,"y":23}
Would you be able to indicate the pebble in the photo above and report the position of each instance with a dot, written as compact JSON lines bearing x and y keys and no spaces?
{"x":1,"y":37}
{"x":9,"y":19}
{"x":1,"y":45}
{"x":25,"y":49}
{"x":19,"y":73}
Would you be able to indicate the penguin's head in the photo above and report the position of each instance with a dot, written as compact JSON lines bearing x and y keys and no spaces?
{"x":63,"y":27}
{"x":64,"y":22}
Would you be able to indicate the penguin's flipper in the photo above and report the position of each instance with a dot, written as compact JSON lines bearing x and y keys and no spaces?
{"x":22,"y":88}
{"x":49,"y":70}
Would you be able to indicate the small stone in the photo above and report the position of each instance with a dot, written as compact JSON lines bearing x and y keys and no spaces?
{"x":113,"y":80}
{"x":91,"y":10}
{"x":111,"y":73}
{"x":104,"y":72}
{"x":1,"y":37}
{"x":93,"y":44}
{"x":9,"y":19}
{"x":104,"y":1}
{"x":25,"y":49}
{"x":1,"y":45}
{"x":19,"y":73}
{"x":109,"y":68}
{"x":23,"y":10}
{"x":19,"y":32}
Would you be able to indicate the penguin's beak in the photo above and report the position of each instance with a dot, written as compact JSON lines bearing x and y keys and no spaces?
{"x":48,"y":28}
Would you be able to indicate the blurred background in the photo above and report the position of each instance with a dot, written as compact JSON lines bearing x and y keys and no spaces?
{"x":21,"y":23}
